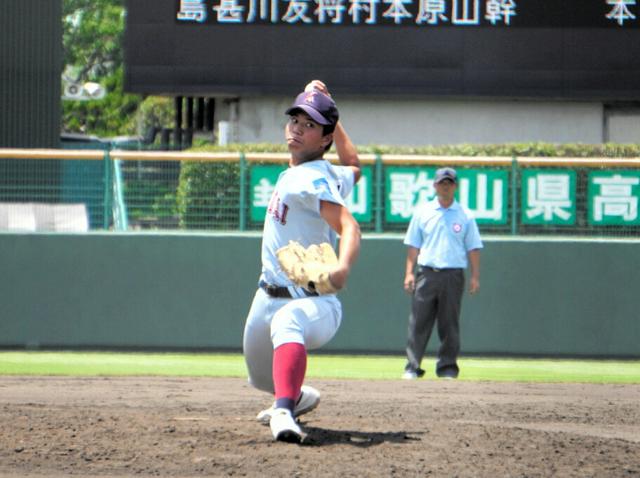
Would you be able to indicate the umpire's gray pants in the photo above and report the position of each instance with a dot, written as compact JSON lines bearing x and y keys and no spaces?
{"x":437,"y":297}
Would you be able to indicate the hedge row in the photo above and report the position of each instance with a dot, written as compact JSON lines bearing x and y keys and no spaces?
{"x":569,"y":150}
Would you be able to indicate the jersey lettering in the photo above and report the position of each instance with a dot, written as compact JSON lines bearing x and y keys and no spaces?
{"x":283,"y":216}
{"x":278,"y":209}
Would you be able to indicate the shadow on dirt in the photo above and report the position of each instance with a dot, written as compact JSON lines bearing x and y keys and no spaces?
{"x":322,"y":436}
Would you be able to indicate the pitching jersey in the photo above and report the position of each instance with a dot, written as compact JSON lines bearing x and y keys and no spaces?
{"x":443,"y":235}
{"x":294,"y":211}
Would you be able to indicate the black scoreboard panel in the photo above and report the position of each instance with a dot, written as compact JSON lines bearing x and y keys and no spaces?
{"x":569,"y":49}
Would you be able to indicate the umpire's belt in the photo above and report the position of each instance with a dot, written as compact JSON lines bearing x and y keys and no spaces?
{"x":282,"y":292}
{"x":435,"y":269}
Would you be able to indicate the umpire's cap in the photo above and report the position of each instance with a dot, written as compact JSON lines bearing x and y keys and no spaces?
{"x":446,"y":173}
{"x":320,"y":107}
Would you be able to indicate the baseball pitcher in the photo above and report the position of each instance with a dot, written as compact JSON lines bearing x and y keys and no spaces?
{"x":295,"y":307}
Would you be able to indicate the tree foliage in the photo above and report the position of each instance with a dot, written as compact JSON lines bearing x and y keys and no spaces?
{"x":93,"y":42}
{"x":93,"y":32}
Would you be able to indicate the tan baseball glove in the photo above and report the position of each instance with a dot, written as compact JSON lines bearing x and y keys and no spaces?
{"x":309,"y":268}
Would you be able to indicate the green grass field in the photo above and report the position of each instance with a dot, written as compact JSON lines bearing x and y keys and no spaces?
{"x":319,"y":366}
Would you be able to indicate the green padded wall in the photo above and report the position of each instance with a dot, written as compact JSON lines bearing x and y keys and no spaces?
{"x":188,"y":291}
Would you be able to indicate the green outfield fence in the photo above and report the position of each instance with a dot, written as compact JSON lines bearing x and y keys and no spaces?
{"x":143,"y":190}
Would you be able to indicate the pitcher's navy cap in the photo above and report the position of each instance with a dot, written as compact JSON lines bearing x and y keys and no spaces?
{"x":320,"y":107}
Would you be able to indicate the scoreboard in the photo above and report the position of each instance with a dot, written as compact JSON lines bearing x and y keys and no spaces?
{"x":565,"y":49}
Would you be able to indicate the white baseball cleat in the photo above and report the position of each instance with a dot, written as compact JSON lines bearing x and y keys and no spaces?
{"x":284,"y":426}
{"x":308,"y":400}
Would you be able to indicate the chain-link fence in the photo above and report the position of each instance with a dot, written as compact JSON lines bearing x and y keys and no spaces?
{"x":135,"y":190}
{"x":54,"y":190}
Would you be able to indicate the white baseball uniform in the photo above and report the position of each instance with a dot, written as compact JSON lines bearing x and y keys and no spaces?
{"x":294,"y":215}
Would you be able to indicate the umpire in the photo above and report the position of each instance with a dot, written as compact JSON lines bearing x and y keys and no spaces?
{"x":442,"y":239}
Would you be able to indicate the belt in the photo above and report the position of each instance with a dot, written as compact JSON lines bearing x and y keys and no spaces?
{"x":282,"y":292}
{"x":444,"y":269}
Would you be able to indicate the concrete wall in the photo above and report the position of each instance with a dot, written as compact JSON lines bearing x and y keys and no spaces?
{"x":192,"y":291}
{"x":622,"y":125}
{"x":419,"y":121}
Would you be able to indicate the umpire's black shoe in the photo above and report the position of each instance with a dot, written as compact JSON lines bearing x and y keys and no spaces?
{"x":413,"y":374}
{"x":448,"y":372}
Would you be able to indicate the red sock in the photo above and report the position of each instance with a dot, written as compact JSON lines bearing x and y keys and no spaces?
{"x":289,"y":367}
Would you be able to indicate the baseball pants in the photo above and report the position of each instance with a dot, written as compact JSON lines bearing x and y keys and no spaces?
{"x":311,"y":321}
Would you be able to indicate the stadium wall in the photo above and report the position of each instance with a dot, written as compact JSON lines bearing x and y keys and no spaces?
{"x":192,"y":292}
{"x":420,"y":121}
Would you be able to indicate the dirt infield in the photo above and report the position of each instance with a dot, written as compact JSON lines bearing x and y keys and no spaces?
{"x":188,"y":427}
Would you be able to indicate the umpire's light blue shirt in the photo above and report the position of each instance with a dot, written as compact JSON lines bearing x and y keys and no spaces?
{"x":443,"y":235}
